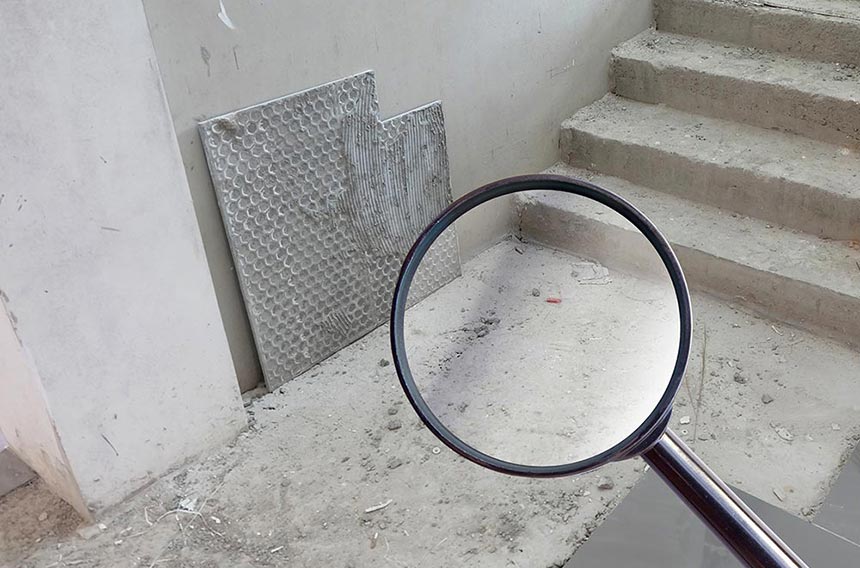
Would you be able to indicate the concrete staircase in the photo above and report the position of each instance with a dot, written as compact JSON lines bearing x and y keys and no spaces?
{"x":735,"y":126}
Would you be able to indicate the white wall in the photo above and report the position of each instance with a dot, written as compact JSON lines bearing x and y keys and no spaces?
{"x":101,"y":259}
{"x":507,"y":74}
{"x":25,"y":416}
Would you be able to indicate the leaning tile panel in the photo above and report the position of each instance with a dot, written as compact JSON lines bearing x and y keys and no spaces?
{"x":320,"y":202}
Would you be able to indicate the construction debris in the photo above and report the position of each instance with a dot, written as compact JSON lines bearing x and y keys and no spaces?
{"x":783,"y":433}
{"x":379,"y":507}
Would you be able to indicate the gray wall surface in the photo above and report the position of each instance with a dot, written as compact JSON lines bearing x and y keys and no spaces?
{"x":102,"y":266}
{"x":507,"y":73}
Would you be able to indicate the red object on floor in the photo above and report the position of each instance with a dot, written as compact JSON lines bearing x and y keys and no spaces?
{"x":553,"y":300}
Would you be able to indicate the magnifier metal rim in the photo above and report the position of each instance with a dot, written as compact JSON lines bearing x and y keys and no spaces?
{"x":658,"y":417}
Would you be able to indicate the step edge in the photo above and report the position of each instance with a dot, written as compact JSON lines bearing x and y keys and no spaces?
{"x":760,"y":300}
{"x":661,"y":64}
{"x":663,"y":16}
{"x":575,"y":123}
{"x":712,"y":212}
{"x":727,"y":167}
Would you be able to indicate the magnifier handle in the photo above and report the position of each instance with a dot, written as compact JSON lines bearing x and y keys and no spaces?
{"x":732,"y":521}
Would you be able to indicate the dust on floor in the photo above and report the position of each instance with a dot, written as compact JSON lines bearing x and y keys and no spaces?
{"x":773,"y":410}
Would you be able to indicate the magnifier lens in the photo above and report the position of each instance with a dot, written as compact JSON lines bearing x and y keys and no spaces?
{"x":556,"y":343}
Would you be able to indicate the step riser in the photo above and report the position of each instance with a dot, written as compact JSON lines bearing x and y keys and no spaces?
{"x":783,"y":202}
{"x":785,"y":31}
{"x":797,"y":303}
{"x":765,"y":105}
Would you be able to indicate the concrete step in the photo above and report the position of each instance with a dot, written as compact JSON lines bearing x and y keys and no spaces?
{"x":811,"y":98}
{"x":823,"y":30}
{"x":787,"y":275}
{"x":789,"y":180}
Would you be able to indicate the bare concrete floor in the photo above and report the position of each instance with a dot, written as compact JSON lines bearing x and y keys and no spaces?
{"x":539,"y":357}
{"x":306,"y":484}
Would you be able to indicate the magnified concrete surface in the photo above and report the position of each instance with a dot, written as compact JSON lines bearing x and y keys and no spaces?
{"x":567,"y":359}
{"x":337,"y":470}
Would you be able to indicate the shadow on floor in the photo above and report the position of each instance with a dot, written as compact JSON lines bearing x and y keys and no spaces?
{"x":653,"y":528}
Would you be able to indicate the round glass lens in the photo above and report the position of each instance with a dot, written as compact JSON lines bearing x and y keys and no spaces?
{"x":556,"y":343}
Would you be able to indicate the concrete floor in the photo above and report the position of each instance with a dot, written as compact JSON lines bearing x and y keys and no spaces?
{"x":543,"y":358}
{"x":300,"y":487}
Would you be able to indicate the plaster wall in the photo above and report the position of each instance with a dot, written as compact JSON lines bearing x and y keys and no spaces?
{"x":506,"y":72}
{"x":101,"y":259}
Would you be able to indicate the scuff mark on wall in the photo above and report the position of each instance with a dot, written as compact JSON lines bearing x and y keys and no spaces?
{"x":206,"y":56}
{"x":556,"y":71}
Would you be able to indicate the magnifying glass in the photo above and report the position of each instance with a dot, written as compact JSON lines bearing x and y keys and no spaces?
{"x":562,"y":347}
